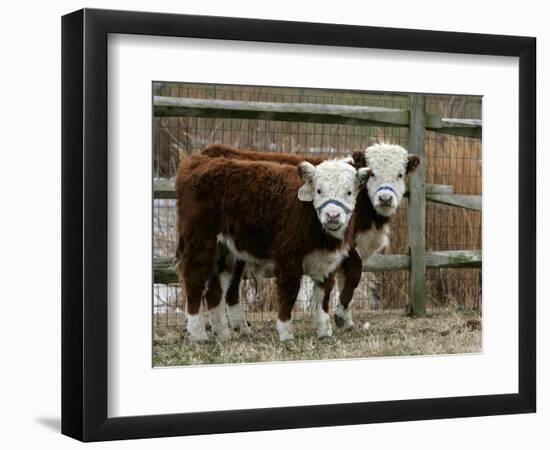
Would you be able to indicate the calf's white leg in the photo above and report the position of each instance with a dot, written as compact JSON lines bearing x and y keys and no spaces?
{"x":196,"y":327}
{"x":218,"y":321}
{"x":285,"y":330}
{"x":235,"y":312}
{"x":342,"y":316}
{"x":324,"y":330}
{"x":238,"y":319}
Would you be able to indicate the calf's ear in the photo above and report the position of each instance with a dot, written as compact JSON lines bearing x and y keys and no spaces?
{"x":359,"y":159}
{"x":306,"y":171}
{"x":412,"y":162}
{"x":363,"y":175}
{"x":305,"y":193}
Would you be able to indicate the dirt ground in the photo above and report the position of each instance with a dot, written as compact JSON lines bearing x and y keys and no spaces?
{"x":391,"y":333}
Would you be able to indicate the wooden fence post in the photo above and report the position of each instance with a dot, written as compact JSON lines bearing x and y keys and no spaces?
{"x":417,"y":209}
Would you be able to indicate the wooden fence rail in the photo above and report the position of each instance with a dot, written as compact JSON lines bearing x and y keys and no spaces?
{"x":309,"y":112}
{"x":164,"y":188}
{"x":415,"y":118}
{"x":164,"y":270}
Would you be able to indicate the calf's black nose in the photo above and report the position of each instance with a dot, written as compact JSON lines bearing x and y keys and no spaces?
{"x":385,"y":199}
{"x":331,"y":218}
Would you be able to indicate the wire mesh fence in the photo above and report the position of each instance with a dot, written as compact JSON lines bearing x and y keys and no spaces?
{"x":452,"y":160}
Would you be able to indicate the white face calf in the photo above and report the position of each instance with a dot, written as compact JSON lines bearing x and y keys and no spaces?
{"x":389,"y":164}
{"x":332,"y":186}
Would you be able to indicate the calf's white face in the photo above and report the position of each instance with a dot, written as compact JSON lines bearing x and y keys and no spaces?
{"x":332,"y":186}
{"x":389,"y":164}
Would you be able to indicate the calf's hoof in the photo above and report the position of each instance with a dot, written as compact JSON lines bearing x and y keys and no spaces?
{"x":340,"y":322}
{"x":222,"y":336}
{"x":324,"y":333}
{"x":285,"y":330}
{"x":198,"y":339}
{"x":245,"y":331}
{"x":348,"y":326}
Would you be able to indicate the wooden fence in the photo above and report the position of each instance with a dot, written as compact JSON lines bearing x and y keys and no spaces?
{"x":416,"y":119}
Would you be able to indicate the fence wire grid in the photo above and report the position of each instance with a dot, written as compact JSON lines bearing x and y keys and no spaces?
{"x":452,"y":160}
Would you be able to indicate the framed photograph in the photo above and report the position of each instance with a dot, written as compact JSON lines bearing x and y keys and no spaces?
{"x":273,"y":224}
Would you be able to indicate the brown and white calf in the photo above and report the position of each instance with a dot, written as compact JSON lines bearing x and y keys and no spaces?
{"x":294,"y":219}
{"x":376,"y":203}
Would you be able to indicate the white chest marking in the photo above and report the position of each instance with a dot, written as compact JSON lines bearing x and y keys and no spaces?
{"x":372,"y":241}
{"x":319,"y":263}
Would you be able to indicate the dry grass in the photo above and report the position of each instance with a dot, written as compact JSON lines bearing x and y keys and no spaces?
{"x":444,"y":331}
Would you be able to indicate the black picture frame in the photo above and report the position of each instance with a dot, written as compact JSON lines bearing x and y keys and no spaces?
{"x":84,"y":224}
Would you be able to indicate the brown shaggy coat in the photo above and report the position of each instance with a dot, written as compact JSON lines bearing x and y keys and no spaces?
{"x":366,"y":219}
{"x":257,"y":205}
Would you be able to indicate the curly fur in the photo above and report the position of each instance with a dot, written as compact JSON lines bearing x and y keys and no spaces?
{"x":255,"y":205}
{"x":371,"y":227}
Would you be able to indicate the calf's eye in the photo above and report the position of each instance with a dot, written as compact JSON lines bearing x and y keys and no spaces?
{"x":318,"y":191}
{"x":349,"y":192}
{"x":400,"y":175}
